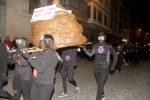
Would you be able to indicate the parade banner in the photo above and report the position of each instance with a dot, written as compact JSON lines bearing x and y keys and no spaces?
{"x":43,"y":13}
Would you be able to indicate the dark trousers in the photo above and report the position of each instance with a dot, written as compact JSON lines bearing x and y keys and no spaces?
{"x":67,"y":72}
{"x":101,"y":76}
{"x":118,"y":66}
{"x":4,"y":94}
{"x":41,"y":91}
{"x":136,"y":62}
{"x":21,"y":86}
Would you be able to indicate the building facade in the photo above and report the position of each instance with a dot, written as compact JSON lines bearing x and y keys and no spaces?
{"x":120,"y":19}
{"x":15,"y":17}
{"x":99,"y":17}
{"x":94,"y":16}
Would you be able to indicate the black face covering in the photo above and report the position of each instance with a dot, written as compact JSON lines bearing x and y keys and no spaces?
{"x":102,"y":37}
{"x":22,"y":42}
{"x":42,"y":44}
{"x":46,"y":41}
{"x":119,"y":48}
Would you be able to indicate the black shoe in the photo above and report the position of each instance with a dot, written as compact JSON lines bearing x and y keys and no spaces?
{"x":11,"y":98}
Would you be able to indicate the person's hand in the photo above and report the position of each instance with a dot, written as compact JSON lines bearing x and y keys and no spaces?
{"x":4,"y":77}
{"x":10,"y":54}
{"x":59,"y":65}
{"x":34,"y":54}
{"x":84,"y":47}
{"x":79,"y":50}
{"x":111,"y":69}
{"x":19,"y":53}
{"x":26,"y":54}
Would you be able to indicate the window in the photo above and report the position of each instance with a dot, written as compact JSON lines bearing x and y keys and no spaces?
{"x":109,"y":5}
{"x":33,"y":4}
{"x":101,"y":0}
{"x":62,"y":2}
{"x":94,"y":16}
{"x":109,"y":22}
{"x":99,"y":16}
{"x":89,"y":11}
{"x":72,"y":3}
{"x":76,"y":6}
{"x":65,"y":3}
{"x":106,"y":3}
{"x":82,"y":10}
{"x":105,"y":20}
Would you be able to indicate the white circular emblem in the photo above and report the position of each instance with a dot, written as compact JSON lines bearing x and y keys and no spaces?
{"x":100,"y":49}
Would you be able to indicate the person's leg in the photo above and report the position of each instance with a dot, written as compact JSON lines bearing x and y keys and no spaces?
{"x":4,"y":94}
{"x":34,"y":91}
{"x":1,"y":81}
{"x":64,"y":77}
{"x":70,"y":76}
{"x":16,"y":89}
{"x":71,"y":80}
{"x":45,"y":91}
{"x":26,"y":88}
{"x":119,"y":68}
{"x":97,"y":73}
{"x":135,"y":62}
{"x":102,"y":76}
{"x":138,"y":62}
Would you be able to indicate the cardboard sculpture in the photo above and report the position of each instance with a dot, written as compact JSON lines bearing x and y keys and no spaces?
{"x":62,"y":26}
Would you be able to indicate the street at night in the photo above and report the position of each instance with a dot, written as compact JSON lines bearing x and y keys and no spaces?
{"x":133,"y":83}
{"x":85,"y":40}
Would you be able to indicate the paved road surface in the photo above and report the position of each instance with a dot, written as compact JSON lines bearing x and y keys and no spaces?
{"x":133,"y":83}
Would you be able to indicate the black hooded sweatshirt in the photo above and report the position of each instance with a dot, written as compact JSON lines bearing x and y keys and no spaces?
{"x":102,"y":53}
{"x":45,"y":65}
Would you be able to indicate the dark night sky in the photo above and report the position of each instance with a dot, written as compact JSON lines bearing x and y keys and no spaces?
{"x":140,"y":19}
{"x":143,"y":7}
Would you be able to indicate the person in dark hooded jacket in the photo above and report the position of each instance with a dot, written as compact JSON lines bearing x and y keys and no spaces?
{"x":121,"y":58}
{"x":69,"y":57}
{"x":44,"y":64}
{"x":3,"y":71}
{"x":102,"y":51}
{"x":23,"y":73}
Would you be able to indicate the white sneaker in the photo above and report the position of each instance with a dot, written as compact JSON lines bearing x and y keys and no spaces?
{"x":63,"y":95}
{"x":125,"y":64}
{"x":78,"y":88}
{"x":118,"y":72}
{"x":103,"y":97}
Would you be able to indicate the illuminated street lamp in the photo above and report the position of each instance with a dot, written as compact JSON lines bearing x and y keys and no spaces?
{"x":124,"y":40}
{"x":138,"y":32}
{"x":146,"y":35}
